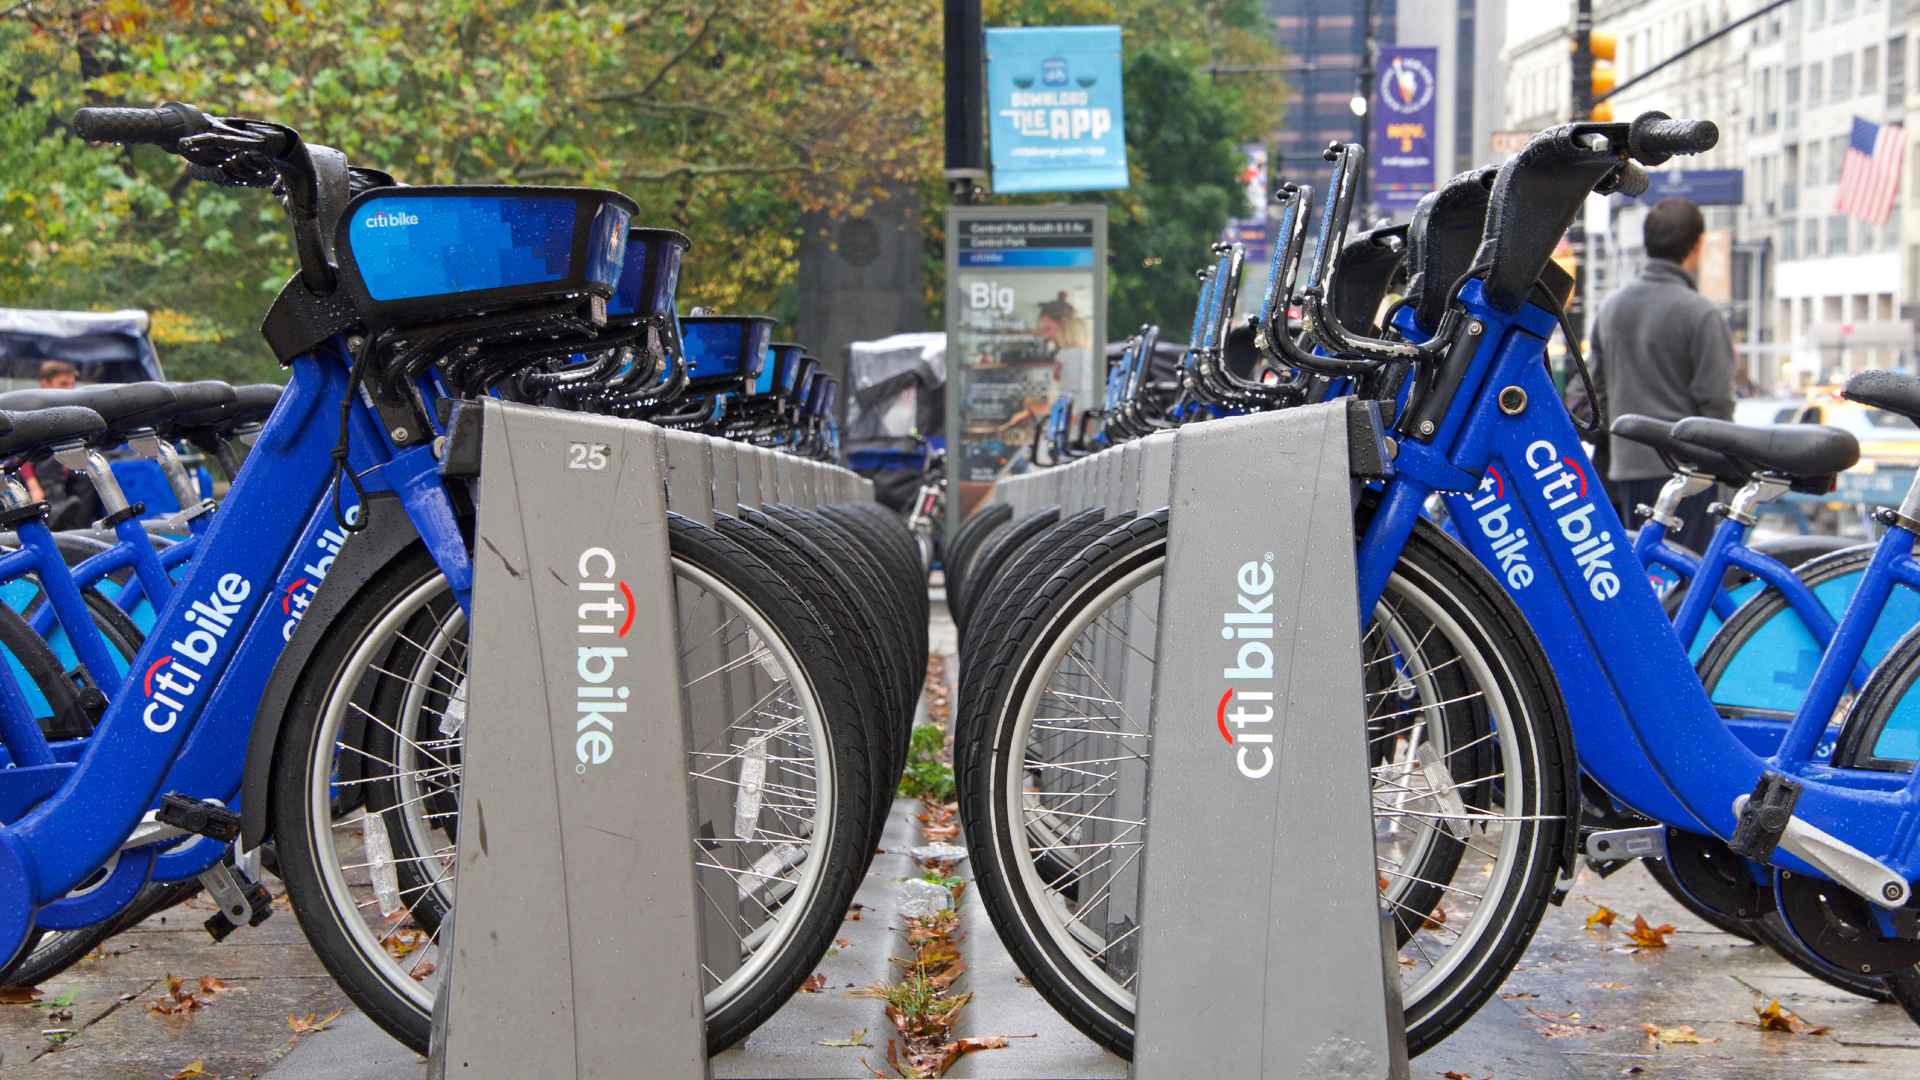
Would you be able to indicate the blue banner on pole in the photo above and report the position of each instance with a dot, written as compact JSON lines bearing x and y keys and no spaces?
{"x":1708,"y":187}
{"x":1056,"y":112}
{"x":1405,"y":105}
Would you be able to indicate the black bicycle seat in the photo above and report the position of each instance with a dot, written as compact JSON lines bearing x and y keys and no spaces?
{"x":124,"y":406}
{"x":249,"y":403}
{"x":1800,"y":451}
{"x":1889,"y":390}
{"x":194,"y":396}
{"x":41,"y":428}
{"x":1658,"y":434}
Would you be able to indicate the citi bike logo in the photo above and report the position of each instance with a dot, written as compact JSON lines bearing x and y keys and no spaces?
{"x":387,"y":219}
{"x":177,"y":681}
{"x":1565,"y":483}
{"x":300,"y":594}
{"x":1509,"y":540}
{"x":594,"y":698}
{"x":1251,"y":624}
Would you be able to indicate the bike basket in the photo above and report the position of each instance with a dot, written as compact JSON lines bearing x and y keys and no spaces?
{"x":419,"y":254}
{"x":803,"y":381}
{"x":723,"y":351}
{"x":782,"y":367}
{"x":649,"y":275}
{"x":820,"y":399}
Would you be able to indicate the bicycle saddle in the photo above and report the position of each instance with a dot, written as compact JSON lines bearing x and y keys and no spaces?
{"x":1799,"y":451}
{"x":251,"y":402}
{"x":40,"y":428}
{"x":1658,"y":434}
{"x":124,"y":406}
{"x":1887,"y":390}
{"x":194,"y":396}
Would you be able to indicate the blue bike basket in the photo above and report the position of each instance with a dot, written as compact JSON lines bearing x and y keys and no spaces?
{"x":650,"y":273}
{"x":783,"y":365}
{"x":802,"y":381}
{"x":416,"y":253}
{"x":724,"y":350}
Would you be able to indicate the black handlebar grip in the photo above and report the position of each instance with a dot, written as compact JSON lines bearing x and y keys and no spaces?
{"x":161,"y":126}
{"x":1655,"y":138}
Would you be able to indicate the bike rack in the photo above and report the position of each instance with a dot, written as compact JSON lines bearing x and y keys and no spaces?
{"x":1263,"y":950}
{"x":578,"y":926}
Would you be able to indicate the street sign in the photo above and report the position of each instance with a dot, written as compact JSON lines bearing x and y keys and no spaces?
{"x":1406,"y":107}
{"x":1026,"y":322}
{"x":1509,"y":142}
{"x":1708,"y":187}
{"x":1057,"y":115}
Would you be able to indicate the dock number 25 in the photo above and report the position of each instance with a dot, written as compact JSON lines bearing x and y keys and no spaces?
{"x":587,"y":456}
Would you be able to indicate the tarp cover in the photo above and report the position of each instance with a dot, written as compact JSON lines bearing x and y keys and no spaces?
{"x":107,"y":346}
{"x":895,"y":380}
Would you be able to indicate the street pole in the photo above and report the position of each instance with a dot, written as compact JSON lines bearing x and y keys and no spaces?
{"x":1582,"y":109}
{"x":1363,"y":109}
{"x":965,"y":101}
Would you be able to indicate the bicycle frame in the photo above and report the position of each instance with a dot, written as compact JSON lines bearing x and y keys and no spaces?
{"x":202,"y":669}
{"x":1642,"y":721}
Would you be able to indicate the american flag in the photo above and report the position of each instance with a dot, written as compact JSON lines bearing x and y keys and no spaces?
{"x":1870,"y":176}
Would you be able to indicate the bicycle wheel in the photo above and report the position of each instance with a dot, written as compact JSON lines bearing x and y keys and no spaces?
{"x":1471,"y":774}
{"x":968,"y":542}
{"x":1005,"y":544}
{"x":785,"y":883}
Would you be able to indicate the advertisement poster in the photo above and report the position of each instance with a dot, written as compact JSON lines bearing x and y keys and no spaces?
{"x":1055,"y":113}
{"x":1026,"y":322}
{"x":1405,"y":108}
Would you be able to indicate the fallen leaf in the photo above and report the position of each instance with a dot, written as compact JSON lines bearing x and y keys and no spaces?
{"x":842,"y":943}
{"x":1648,"y":937}
{"x":952,"y":1051}
{"x":1559,"y":1026}
{"x":858,"y":1038}
{"x":1436,"y":920}
{"x":954,"y":969}
{"x":196,"y":1069}
{"x":20,"y":995}
{"x":1461,"y":1076}
{"x":211,"y":985}
{"x":1610,"y":986}
{"x":815,"y":983}
{"x":420,"y":973}
{"x":305,"y":1025}
{"x":852,"y":916}
{"x":1677,"y":1036}
{"x":1602,"y":917}
{"x":1775,"y":1018}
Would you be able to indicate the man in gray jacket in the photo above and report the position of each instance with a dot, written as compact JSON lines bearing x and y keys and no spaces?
{"x":1661,"y":349}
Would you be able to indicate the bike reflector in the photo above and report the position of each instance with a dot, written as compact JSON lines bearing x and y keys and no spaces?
{"x":416,"y":253}
{"x":650,"y":274}
{"x":725,"y":348}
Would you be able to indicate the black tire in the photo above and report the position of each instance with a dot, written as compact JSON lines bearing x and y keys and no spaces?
{"x":58,"y":950}
{"x":887,"y":540}
{"x":1726,"y":922}
{"x":772,"y":619}
{"x":1005,"y":544}
{"x":967,"y":543}
{"x":1434,"y":575}
{"x":1905,"y":991}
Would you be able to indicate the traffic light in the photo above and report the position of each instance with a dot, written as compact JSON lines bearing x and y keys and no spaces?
{"x":1602,"y":46}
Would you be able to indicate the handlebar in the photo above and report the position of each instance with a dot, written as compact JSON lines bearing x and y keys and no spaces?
{"x":1654,"y":137}
{"x":162,"y":126}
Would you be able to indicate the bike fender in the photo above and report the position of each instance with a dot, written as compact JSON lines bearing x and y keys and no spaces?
{"x":389,"y":532}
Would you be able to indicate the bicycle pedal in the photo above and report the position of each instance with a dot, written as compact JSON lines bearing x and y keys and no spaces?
{"x":1764,"y":818}
{"x":199,"y":816}
{"x":240,"y":900}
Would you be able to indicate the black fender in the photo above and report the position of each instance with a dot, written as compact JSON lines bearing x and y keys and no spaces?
{"x":388,"y":533}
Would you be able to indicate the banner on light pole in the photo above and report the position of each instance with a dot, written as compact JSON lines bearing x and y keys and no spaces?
{"x":1055,"y":108}
{"x":1405,"y":106}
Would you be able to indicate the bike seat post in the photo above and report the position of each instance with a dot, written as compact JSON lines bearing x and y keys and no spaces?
{"x":81,"y":458}
{"x":150,"y":445}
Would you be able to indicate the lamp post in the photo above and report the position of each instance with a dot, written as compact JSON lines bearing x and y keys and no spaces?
{"x":1362,"y":106}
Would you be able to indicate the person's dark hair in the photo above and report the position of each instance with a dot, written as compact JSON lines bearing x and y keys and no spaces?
{"x":1673,"y":227}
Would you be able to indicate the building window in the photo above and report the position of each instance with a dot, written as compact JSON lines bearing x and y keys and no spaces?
{"x":1811,"y":246}
{"x":1842,"y":68}
{"x":1789,"y":241}
{"x":1836,"y":157}
{"x":1790,"y":179}
{"x":1836,"y":235}
{"x":1816,"y":84}
{"x":1897,"y":71}
{"x":1792,"y":84}
{"x":1819,"y":12}
{"x":1813,"y":165}
{"x":1870,"y":69}
{"x":1842,"y":9}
